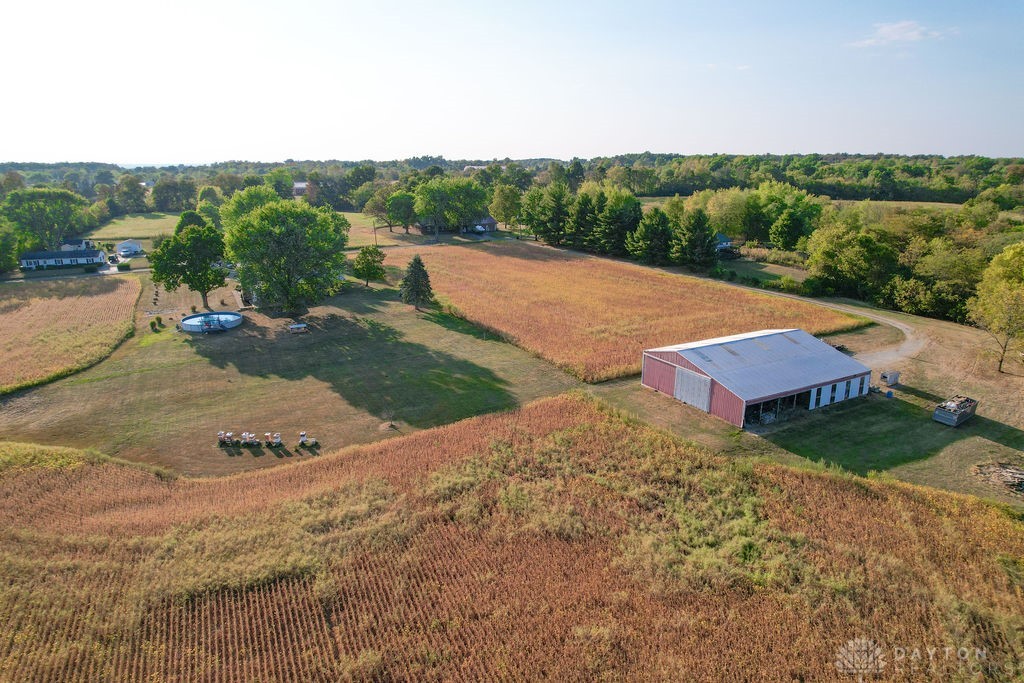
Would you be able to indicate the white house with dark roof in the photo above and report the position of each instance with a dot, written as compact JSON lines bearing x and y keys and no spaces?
{"x":40,"y":260}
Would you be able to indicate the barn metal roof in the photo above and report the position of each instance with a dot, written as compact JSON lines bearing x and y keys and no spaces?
{"x":756,"y":365}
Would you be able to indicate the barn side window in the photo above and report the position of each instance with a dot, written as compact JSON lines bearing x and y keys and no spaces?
{"x":849,"y":384}
{"x":832,"y":394}
{"x":861,"y":392}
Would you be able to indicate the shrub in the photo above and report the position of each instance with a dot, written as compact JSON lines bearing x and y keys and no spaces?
{"x":124,"y":266}
{"x":193,"y":307}
{"x":152,"y":325}
{"x":90,"y":269}
{"x":160,"y":321}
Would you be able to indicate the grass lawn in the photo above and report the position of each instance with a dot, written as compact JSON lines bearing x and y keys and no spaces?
{"x":162,"y":397}
{"x":650,"y":202}
{"x":140,"y":226}
{"x":900,"y":205}
{"x":361,"y":233}
{"x":764,"y":271}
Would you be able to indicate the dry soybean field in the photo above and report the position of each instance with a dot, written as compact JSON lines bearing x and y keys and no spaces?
{"x":527,"y":545}
{"x":593,"y":316}
{"x":53,"y":328}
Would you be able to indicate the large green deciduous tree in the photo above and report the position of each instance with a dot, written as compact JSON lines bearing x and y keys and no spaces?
{"x":43,"y":217}
{"x":190,"y":257}
{"x":130,"y":194}
{"x":415,"y":286}
{"x":377,"y":204}
{"x":402,"y":209}
{"x":188,"y":218}
{"x":174,"y":194}
{"x":998,"y":307}
{"x":246,"y":200}
{"x":451,"y":203}
{"x":288,"y":253}
{"x":280,"y":180}
{"x":505,"y":203}
{"x":369,"y":264}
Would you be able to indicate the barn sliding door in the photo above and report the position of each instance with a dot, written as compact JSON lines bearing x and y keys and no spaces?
{"x":693,"y":389}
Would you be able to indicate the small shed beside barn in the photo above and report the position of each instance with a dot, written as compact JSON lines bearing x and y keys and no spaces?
{"x":752,"y":377}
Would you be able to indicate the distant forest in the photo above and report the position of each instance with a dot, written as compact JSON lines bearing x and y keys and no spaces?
{"x":839,"y":176}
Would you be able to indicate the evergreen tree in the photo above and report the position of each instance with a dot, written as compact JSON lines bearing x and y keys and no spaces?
{"x":695,"y":241}
{"x":621,"y":215}
{"x":651,"y":242}
{"x":593,"y":240}
{"x":554,"y":213}
{"x":582,"y":220}
{"x":369,"y":264}
{"x":415,"y":287}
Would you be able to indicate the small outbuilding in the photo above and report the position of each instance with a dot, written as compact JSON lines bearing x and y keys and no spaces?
{"x":77,"y":244}
{"x":757,"y":376}
{"x":129,"y":248}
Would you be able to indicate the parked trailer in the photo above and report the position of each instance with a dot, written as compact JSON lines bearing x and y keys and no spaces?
{"x":955,"y":411}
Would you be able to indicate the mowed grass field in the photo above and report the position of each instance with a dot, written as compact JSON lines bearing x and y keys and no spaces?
{"x":593,"y":316}
{"x":558,"y":541}
{"x":53,"y":328}
{"x":361,"y":233}
{"x":140,"y":226}
{"x":895,"y":205}
{"x":369,"y":360}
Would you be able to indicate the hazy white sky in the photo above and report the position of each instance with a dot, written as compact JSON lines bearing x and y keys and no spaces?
{"x":198,"y":81}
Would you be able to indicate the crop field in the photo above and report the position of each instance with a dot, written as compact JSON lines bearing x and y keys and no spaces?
{"x":137,"y":226}
{"x":592,"y":316}
{"x":370,"y":368}
{"x":361,"y":233}
{"x":556,"y":541}
{"x":54,"y":328}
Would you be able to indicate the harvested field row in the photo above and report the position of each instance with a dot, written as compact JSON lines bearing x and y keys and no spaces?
{"x":54,"y":328}
{"x":594,"y":316}
{"x":557,"y":541}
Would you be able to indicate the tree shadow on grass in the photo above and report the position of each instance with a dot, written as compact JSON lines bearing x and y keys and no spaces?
{"x":456,"y":324}
{"x":368,"y":364}
{"x":879,"y":434}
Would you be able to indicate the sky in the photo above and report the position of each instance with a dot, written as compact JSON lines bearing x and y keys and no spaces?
{"x":200,"y":81}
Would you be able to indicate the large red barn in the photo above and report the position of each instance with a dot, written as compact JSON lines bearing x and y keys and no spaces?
{"x":751,"y":377}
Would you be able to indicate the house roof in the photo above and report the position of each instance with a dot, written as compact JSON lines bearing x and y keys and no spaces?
{"x":766,"y":363}
{"x":130,"y":242}
{"x":41,"y":255}
{"x":78,"y":241}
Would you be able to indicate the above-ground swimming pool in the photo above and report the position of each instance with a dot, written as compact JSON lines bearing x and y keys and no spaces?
{"x":218,"y":321}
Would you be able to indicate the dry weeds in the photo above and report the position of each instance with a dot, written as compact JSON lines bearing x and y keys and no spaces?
{"x":54,"y":328}
{"x":558,"y":541}
{"x":594,"y":316}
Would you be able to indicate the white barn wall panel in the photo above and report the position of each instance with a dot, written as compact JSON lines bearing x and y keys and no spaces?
{"x":693,"y":389}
